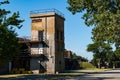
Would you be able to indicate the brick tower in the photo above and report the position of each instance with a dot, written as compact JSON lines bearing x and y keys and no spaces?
{"x":47,"y":33}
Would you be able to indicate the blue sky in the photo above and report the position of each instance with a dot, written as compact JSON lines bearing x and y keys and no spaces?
{"x":77,"y":34}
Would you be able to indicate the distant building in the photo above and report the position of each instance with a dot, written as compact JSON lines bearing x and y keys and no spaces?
{"x":70,"y":63}
{"x":68,"y":54}
{"x":44,"y":50}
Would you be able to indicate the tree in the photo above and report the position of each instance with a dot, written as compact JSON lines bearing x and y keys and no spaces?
{"x":104,"y":15}
{"x":9,"y":46}
{"x":116,"y":58}
{"x":79,"y":58}
{"x":101,"y":53}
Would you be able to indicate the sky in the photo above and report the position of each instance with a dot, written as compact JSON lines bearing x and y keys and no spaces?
{"x":77,"y":34}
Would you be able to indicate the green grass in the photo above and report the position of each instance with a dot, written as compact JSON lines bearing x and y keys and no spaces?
{"x":12,"y":75}
{"x":86,"y":65}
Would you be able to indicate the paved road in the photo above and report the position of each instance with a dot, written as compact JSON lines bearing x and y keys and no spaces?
{"x":107,"y":75}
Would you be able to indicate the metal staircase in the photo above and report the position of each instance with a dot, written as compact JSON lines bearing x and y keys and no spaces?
{"x":29,"y":52}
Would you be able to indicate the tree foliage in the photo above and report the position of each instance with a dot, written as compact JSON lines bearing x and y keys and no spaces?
{"x":79,"y":58}
{"x":101,"y":52}
{"x":104,"y":15}
{"x":8,"y":42}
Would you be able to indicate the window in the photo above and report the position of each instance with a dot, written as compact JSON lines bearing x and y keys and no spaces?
{"x":36,"y":20}
{"x":59,"y":62}
{"x":40,"y":35}
{"x":61,"y":35}
{"x":57,"y":34}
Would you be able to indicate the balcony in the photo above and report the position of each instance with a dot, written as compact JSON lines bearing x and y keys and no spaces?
{"x":42,"y":57}
{"x":41,"y":53}
{"x":44,"y":41}
{"x":34,"y":40}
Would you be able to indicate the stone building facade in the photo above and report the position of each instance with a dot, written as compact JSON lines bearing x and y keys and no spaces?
{"x":47,"y":27}
{"x":46,"y":45}
{"x":43,"y":52}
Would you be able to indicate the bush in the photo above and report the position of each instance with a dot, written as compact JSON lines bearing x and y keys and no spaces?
{"x":20,"y":71}
{"x":86,"y":65}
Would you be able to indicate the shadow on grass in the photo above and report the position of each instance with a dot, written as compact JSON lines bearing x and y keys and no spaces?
{"x":40,"y":77}
{"x":54,"y":77}
{"x":64,"y":76}
{"x":60,"y":76}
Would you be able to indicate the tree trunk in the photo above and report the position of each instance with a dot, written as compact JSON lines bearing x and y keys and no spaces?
{"x":113,"y":65}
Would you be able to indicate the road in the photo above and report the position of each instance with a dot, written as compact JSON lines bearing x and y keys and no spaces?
{"x":107,"y":75}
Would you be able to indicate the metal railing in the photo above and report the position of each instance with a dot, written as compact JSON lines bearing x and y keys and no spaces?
{"x":45,"y":11}
{"x":41,"y":40}
{"x":28,"y":38}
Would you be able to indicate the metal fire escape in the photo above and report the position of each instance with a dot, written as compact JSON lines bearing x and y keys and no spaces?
{"x":29,"y":52}
{"x":29,"y":41}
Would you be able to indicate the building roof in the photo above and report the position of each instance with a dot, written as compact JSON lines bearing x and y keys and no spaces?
{"x":47,"y":11}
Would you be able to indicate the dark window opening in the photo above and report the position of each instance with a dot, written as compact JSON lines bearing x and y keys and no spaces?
{"x":61,"y":35}
{"x":59,"y":62}
{"x":40,"y":35}
{"x":57,"y":34}
{"x":37,"y":20}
